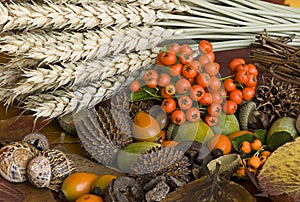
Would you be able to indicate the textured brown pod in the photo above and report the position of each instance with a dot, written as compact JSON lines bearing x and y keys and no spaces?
{"x":49,"y":169}
{"x":14,"y":158}
{"x":167,"y":161}
{"x":39,"y":140}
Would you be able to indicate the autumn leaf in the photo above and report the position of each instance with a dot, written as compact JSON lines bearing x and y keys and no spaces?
{"x":15,"y":128}
{"x":9,"y":193}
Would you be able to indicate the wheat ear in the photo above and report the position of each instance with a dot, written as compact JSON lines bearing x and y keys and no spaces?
{"x":80,"y":73}
{"x":166,"y":5}
{"x":9,"y":76}
{"x":62,"y":101}
{"x":73,"y":46}
{"x":72,"y":17}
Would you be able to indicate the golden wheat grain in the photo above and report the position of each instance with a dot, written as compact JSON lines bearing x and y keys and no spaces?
{"x":49,"y":47}
{"x":62,"y":101}
{"x":101,"y":14}
{"x":68,"y":75}
{"x":8,"y":76}
{"x":166,"y":5}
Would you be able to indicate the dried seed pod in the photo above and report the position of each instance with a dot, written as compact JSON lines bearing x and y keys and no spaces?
{"x":116,"y":126}
{"x":198,"y":154}
{"x":121,"y":101}
{"x":49,"y":169}
{"x":141,"y":105}
{"x":93,"y":138}
{"x":39,"y":140}
{"x":166,"y":161}
{"x":124,"y":189}
{"x":158,"y":193}
{"x":14,"y":158}
{"x":277,"y":98}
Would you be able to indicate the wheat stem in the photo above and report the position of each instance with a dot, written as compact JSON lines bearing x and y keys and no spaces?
{"x":54,"y":46}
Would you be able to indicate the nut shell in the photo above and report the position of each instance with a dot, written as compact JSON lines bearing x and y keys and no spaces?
{"x":49,"y":169}
{"x":14,"y":158}
{"x":39,"y":140}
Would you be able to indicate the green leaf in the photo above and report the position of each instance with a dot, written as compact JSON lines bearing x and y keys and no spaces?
{"x":146,"y":93}
{"x":261,"y":134}
{"x":239,"y":139}
{"x":278,"y":138}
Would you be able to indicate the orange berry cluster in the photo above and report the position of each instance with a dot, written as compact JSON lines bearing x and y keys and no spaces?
{"x":254,"y":162}
{"x":241,"y":86}
{"x":189,"y":87}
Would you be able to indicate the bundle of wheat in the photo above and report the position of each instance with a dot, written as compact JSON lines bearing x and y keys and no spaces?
{"x":68,"y":55}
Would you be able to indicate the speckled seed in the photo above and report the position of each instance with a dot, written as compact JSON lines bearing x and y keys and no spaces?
{"x":49,"y":169}
{"x":14,"y":158}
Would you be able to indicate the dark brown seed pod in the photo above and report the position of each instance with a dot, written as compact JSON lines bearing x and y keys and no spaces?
{"x":166,"y":161}
{"x":277,"y":98}
{"x":124,"y":189}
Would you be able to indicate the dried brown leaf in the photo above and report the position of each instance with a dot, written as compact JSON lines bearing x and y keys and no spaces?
{"x":15,"y":128}
{"x":8,"y":193}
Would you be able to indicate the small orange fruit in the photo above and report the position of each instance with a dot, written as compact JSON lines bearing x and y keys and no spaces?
{"x":89,"y":198}
{"x":263,"y":159}
{"x":256,"y":144}
{"x":241,"y":171}
{"x":100,"y":185}
{"x":76,"y":185}
{"x":245,"y":147}
{"x":265,"y":153}
{"x":239,"y":133}
{"x":254,"y":162}
{"x":163,"y":134}
{"x":219,"y":144}
{"x":252,"y":170}
{"x":169,"y":143}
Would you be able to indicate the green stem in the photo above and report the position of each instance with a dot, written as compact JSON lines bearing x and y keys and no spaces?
{"x":226,"y":77}
{"x":153,"y":95}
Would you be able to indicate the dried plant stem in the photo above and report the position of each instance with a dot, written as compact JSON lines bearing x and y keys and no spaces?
{"x":72,"y":17}
{"x":62,"y":101}
{"x":277,"y":57}
{"x":54,"y":46}
{"x":80,"y":73}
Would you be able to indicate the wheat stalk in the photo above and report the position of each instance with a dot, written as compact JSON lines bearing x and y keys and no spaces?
{"x":49,"y":47}
{"x":67,"y":16}
{"x":80,"y":73}
{"x":62,"y":101}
